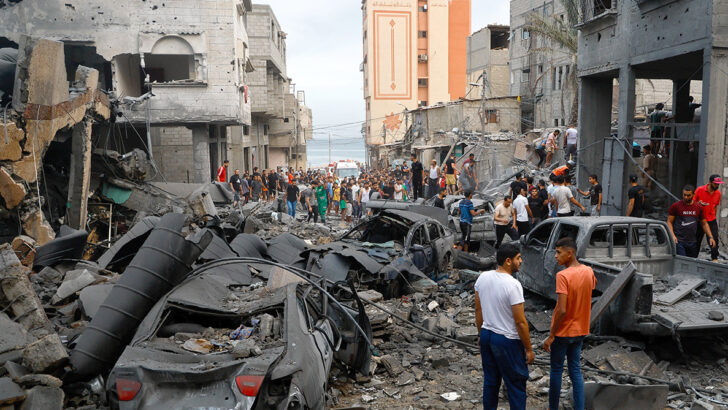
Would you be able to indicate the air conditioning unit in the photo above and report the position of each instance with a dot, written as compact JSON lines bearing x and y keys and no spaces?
{"x":422,"y":58}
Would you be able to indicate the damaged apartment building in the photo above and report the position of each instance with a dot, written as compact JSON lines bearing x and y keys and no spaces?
{"x":183,"y":73}
{"x":683,"y":42}
{"x":542,"y":69}
{"x":281,"y":122}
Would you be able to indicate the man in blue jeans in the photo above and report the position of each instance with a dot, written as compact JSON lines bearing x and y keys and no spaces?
{"x":292,"y":197}
{"x":570,"y":322}
{"x":505,"y":346}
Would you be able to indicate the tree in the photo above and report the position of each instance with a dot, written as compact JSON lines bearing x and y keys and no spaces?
{"x":563,"y":37}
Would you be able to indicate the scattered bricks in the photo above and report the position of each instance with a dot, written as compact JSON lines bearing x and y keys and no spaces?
{"x":43,"y":397}
{"x":10,"y":392}
{"x":11,"y":191}
{"x":24,"y":247}
{"x":10,"y":149}
{"x":45,"y":354}
{"x":446,"y":324}
{"x":16,"y":286}
{"x":393,"y":366}
{"x":467,"y":334}
{"x":35,"y":226}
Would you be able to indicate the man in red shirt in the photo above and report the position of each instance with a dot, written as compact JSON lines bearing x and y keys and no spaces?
{"x":570,"y":323}
{"x":708,"y":196}
{"x":222,"y":171}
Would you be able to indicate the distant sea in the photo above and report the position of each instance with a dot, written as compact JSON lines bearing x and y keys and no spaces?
{"x":341,"y":148}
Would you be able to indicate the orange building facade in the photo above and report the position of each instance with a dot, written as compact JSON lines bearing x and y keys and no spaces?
{"x":415,"y":54}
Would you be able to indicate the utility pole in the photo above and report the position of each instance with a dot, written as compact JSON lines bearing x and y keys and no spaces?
{"x":483,"y":112}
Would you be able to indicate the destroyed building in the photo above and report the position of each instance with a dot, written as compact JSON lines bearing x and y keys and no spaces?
{"x":678,"y":41}
{"x":279,"y":132}
{"x":488,"y":56}
{"x":434,"y":130}
{"x":183,"y":74}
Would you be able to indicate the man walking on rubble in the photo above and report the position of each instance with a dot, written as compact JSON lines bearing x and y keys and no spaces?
{"x":594,"y":194}
{"x":222,"y":172}
{"x":450,"y":179}
{"x":292,"y":197}
{"x":505,"y":345}
{"x":570,"y":322}
{"x":418,"y":176}
{"x":563,"y":198}
{"x":708,"y":196}
{"x":502,"y":221}
{"x":322,"y":199}
{"x":682,"y":221}
{"x":467,"y":212}
{"x":237,"y":186}
{"x":308,"y":197}
{"x":636,"y":195}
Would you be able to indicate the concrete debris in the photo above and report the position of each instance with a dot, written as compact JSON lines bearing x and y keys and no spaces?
{"x":12,"y":192}
{"x":43,"y":397}
{"x":36,"y":226}
{"x":74,"y":281}
{"x":24,"y":247}
{"x":45,"y":354}
{"x":10,"y":392}
{"x":17,"y":289}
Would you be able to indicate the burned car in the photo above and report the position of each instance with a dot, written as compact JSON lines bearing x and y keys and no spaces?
{"x":238,"y":335}
{"x":394,"y":252}
{"x":483,"y":229}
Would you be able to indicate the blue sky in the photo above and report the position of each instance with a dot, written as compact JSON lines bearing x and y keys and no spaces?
{"x":324,"y":47}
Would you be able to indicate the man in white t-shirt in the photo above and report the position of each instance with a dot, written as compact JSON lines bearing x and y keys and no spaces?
{"x":505,"y":345}
{"x":564,"y":198}
{"x":524,"y":216}
{"x":502,"y":221}
{"x":570,"y":142}
{"x":356,"y":211}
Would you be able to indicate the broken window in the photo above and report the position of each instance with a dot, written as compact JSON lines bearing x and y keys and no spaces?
{"x":525,"y":75}
{"x":164,"y":68}
{"x":498,"y":40}
{"x":541,"y":234}
{"x":433,"y":231}
{"x":568,"y":231}
{"x":600,"y":6}
{"x":525,"y":34}
{"x":422,"y":34}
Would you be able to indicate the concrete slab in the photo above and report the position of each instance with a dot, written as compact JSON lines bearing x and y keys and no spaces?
{"x":43,"y":397}
{"x":10,"y":392}
{"x":624,"y":396}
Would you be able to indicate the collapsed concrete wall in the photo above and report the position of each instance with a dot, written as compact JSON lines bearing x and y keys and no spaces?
{"x":42,"y":106}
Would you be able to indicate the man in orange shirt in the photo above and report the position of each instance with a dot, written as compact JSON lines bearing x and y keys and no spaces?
{"x":570,"y":322}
